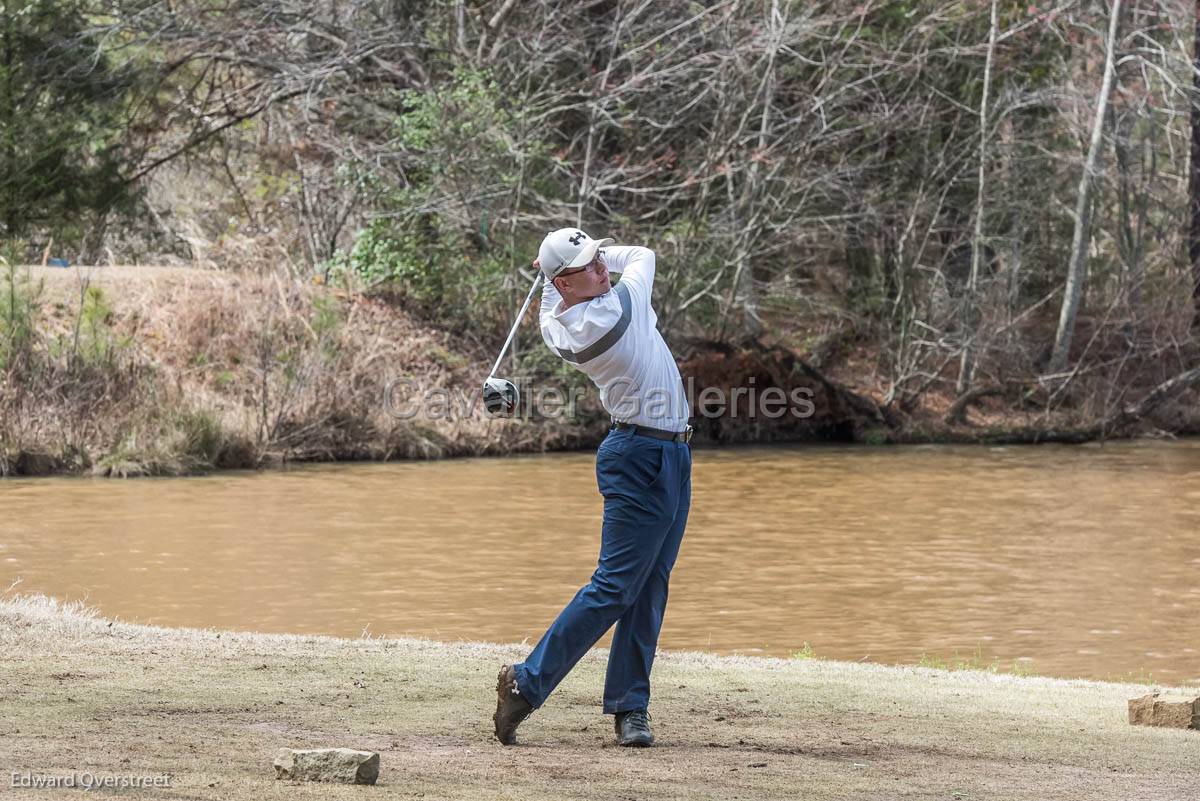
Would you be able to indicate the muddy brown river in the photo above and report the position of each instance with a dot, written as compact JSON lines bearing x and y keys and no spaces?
{"x":1062,"y":561}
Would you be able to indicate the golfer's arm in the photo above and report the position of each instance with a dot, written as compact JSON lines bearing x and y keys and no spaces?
{"x":550,"y":299}
{"x":635,"y":264}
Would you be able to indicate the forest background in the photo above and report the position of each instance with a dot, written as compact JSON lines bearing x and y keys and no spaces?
{"x":973,"y":220}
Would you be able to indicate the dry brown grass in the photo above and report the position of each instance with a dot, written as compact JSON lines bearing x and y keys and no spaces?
{"x":217,"y":369}
{"x":210,"y":708}
{"x":178,"y":370}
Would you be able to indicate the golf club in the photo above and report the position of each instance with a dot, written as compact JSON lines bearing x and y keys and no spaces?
{"x":500,"y":395}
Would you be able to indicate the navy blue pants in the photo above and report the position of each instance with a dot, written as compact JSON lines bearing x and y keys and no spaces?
{"x":647,"y":489}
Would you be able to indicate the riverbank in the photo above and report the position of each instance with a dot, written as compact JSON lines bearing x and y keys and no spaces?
{"x":130,"y":371}
{"x":138,"y":371}
{"x":210,"y":708}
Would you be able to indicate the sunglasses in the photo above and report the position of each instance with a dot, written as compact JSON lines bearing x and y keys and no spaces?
{"x":592,"y":265}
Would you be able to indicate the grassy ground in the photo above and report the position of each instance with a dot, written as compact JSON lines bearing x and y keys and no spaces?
{"x":209,"y":708}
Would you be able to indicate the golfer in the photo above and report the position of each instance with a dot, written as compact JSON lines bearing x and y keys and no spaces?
{"x":643,"y":469}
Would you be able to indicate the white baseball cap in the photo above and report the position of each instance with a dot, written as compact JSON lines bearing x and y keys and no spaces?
{"x":566,"y":249}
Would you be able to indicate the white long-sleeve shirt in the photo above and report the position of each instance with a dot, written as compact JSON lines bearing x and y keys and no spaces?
{"x":636,"y":374}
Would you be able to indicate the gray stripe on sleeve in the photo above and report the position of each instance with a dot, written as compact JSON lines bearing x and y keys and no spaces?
{"x":610,"y":338}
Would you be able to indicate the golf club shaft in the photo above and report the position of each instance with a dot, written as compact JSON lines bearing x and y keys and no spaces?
{"x":520,"y":316}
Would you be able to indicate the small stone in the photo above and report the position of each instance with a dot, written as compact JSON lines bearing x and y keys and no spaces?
{"x":344,"y":765}
{"x":1172,"y":711}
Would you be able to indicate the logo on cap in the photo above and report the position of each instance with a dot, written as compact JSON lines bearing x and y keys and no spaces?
{"x":579,"y":235}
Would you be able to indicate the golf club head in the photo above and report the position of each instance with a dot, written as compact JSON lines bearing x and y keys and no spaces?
{"x":500,"y":397}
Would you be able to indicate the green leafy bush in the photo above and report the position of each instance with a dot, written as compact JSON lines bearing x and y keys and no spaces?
{"x":432,"y":238}
{"x":19,"y":298}
{"x":97,"y":343}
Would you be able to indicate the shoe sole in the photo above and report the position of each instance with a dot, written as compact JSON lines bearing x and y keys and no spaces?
{"x":639,"y":743}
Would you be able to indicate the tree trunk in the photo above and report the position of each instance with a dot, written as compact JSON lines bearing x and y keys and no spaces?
{"x":966,"y":368}
{"x":93,"y":242}
{"x":1194,"y":174}
{"x":8,"y":116}
{"x":743,"y":289}
{"x":1081,"y":241}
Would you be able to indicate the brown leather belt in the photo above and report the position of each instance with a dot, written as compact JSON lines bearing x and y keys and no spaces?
{"x":657,"y":433}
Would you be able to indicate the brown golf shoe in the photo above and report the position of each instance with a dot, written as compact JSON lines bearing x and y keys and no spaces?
{"x":511,"y":706}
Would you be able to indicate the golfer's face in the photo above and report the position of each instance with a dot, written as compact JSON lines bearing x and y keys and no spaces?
{"x":591,"y":280}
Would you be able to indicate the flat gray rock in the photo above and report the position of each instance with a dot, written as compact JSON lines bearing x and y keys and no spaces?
{"x":1171,"y":711}
{"x":342,"y":765}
